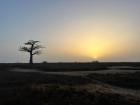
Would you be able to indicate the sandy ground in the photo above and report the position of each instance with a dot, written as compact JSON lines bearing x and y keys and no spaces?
{"x":84,"y":74}
{"x":78,"y":73}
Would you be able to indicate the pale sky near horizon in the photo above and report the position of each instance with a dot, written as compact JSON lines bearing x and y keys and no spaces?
{"x":71,"y":30}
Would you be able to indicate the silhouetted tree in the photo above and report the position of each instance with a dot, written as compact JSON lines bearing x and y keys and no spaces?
{"x":32,"y":47}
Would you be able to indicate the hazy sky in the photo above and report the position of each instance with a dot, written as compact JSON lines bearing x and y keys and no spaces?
{"x":71,"y":30}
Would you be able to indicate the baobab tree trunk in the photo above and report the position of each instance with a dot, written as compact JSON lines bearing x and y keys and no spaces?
{"x":31,"y":54}
{"x":31,"y":59}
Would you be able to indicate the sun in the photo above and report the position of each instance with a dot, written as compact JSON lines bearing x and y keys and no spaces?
{"x":96,"y":51}
{"x":95,"y":57}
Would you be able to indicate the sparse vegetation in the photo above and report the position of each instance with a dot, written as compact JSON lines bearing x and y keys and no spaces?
{"x":56,"y":95}
{"x":61,"y":66}
{"x":126,"y":80}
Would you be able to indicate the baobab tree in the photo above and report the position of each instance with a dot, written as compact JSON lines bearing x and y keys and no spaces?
{"x":33,"y":48}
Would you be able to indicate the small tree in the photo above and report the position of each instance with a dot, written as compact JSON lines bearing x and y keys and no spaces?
{"x":32,"y":47}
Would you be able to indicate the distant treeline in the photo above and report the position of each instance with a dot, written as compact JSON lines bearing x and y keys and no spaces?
{"x":75,"y":66}
{"x":121,"y":63}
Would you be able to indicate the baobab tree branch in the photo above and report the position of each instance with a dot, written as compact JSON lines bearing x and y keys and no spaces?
{"x":31,"y":42}
{"x":37,"y":47}
{"x":37,"y":53}
{"x":25,"y":49}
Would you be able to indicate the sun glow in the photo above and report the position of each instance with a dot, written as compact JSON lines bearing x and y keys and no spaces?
{"x":95,"y":48}
{"x":96,"y":39}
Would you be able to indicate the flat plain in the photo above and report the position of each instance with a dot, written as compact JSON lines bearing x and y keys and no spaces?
{"x":70,"y":84}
